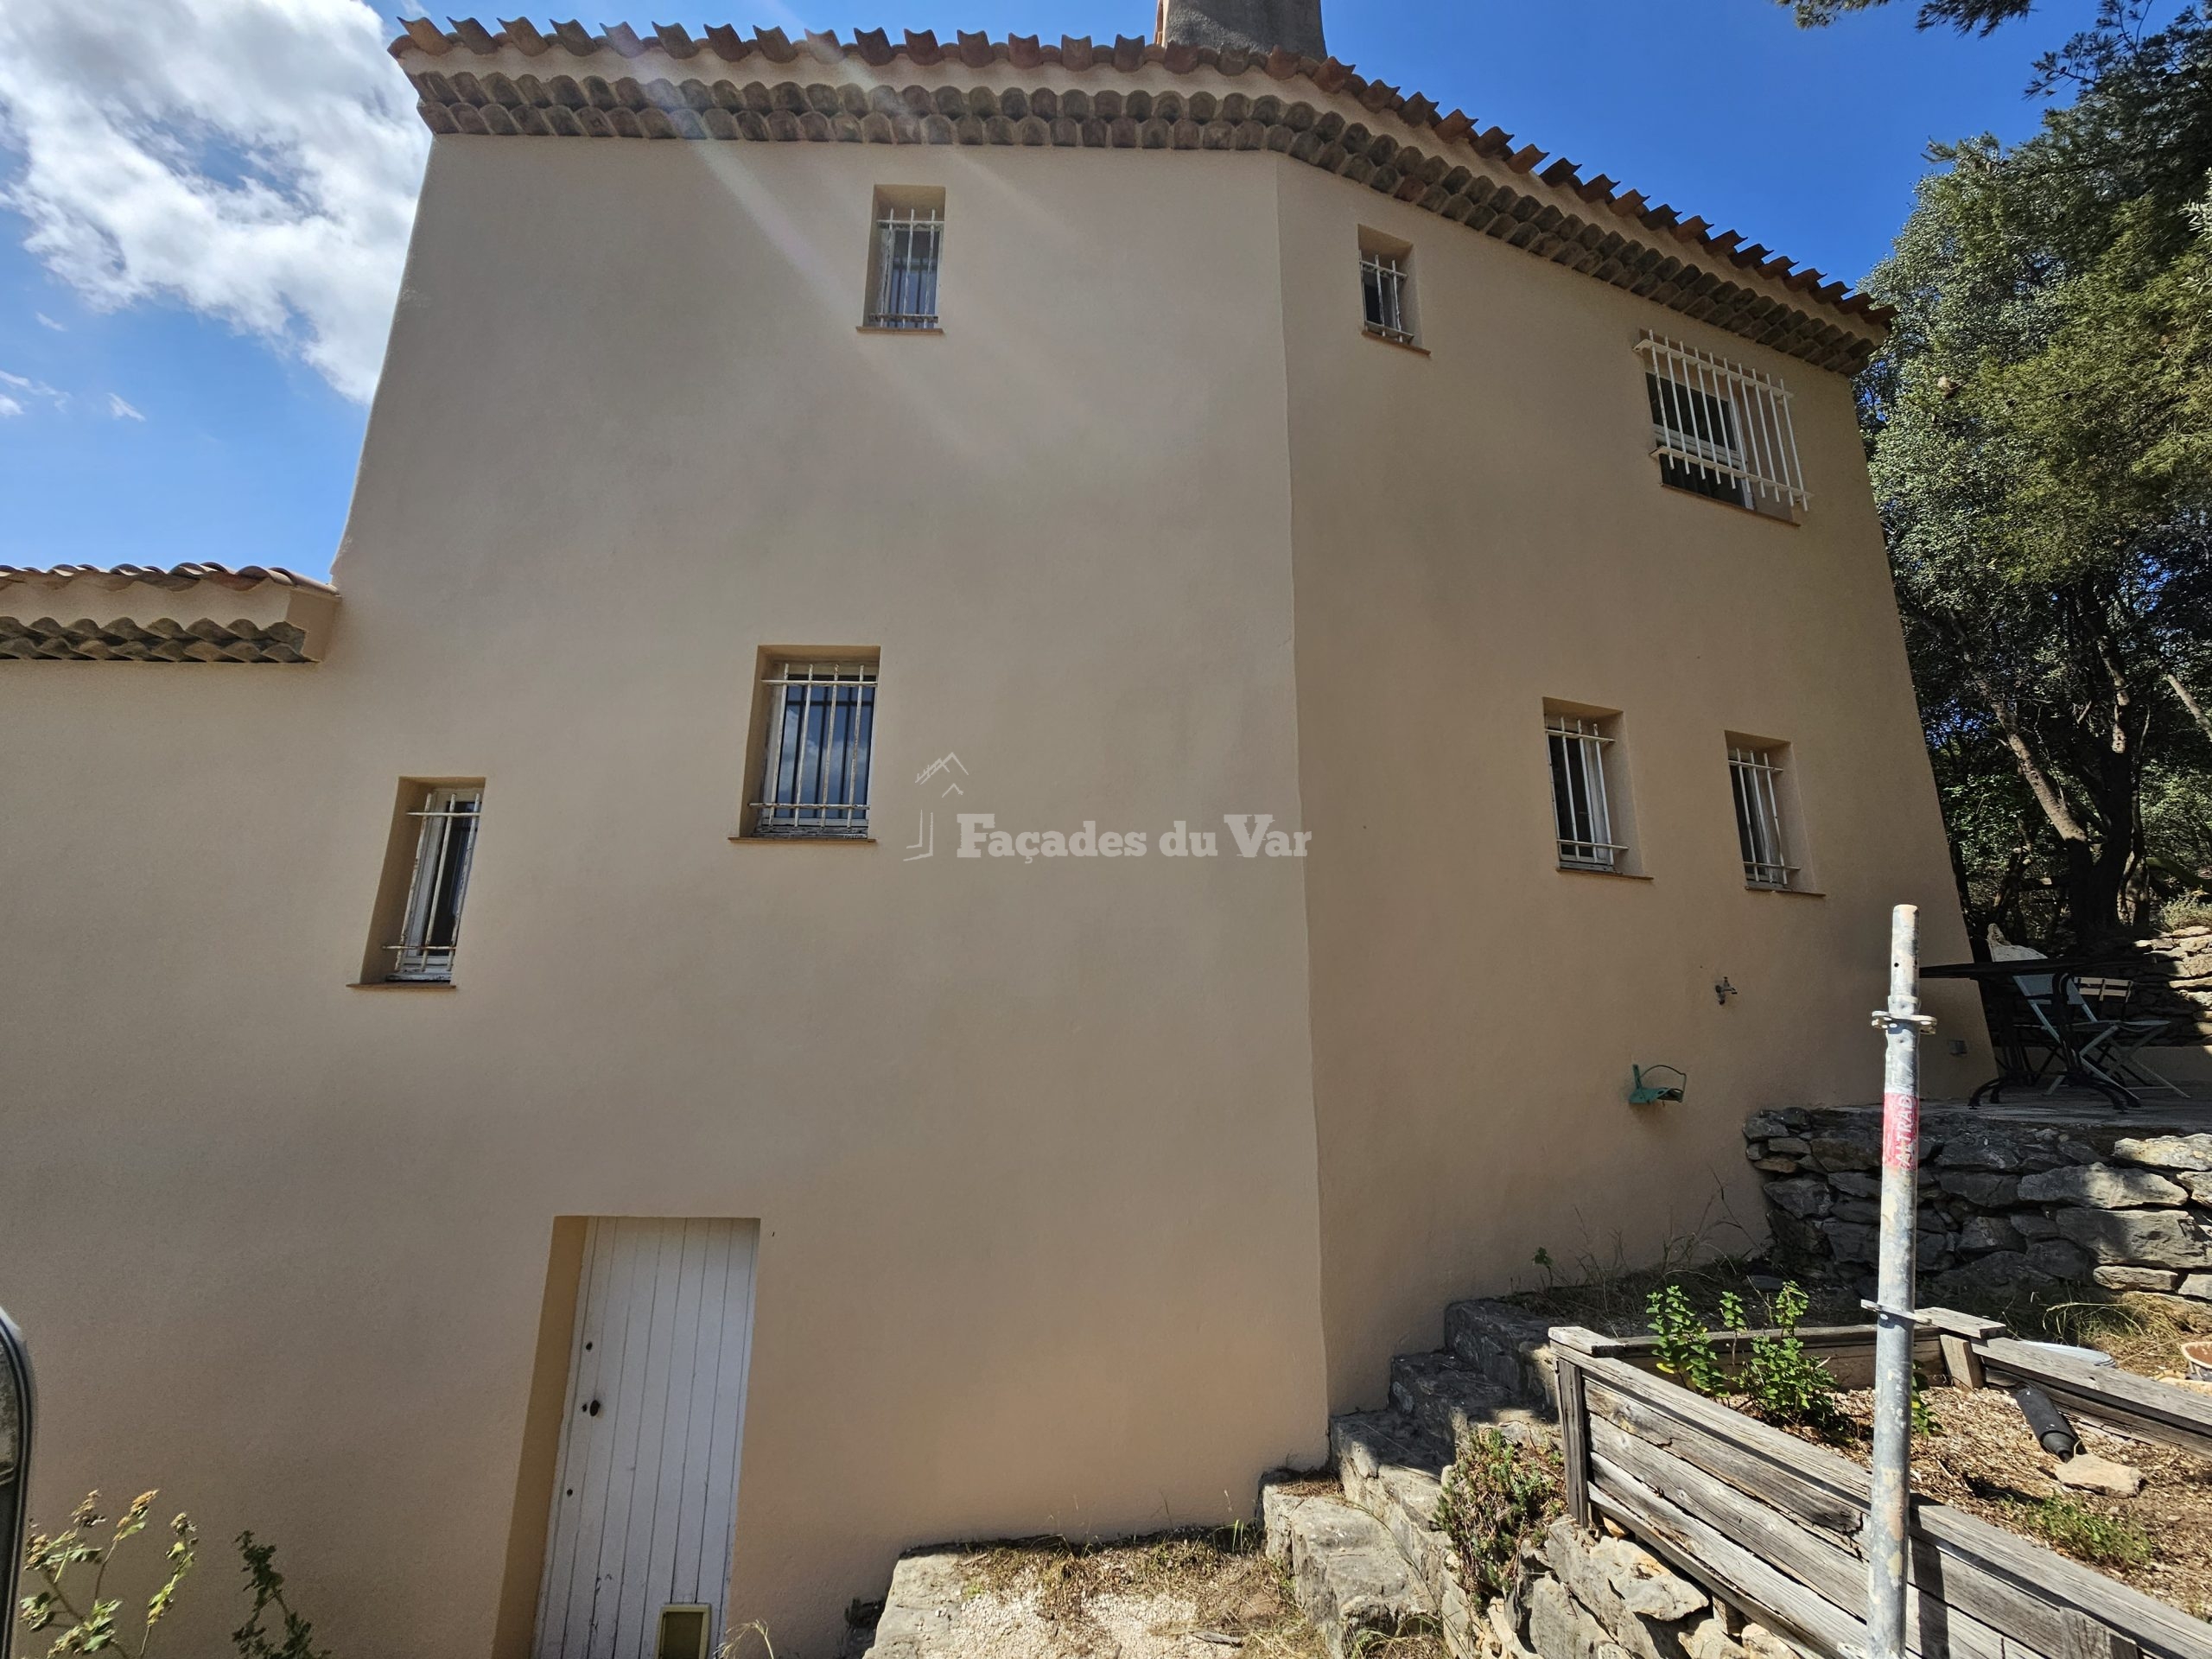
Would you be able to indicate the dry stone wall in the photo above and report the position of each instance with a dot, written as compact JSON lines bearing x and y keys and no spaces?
{"x":1603,"y":1596}
{"x":2005,"y":1208}
{"x":2177,"y":982}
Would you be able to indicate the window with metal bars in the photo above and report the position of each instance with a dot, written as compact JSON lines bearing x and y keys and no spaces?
{"x":902,"y":281}
{"x":1386,"y":294}
{"x":445,"y":845}
{"x":1720,"y":429}
{"x":821,"y":727}
{"x":1581,"y":808}
{"x":1755,"y":777}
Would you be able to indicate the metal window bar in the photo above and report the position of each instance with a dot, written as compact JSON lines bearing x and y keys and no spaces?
{"x":430,"y":925}
{"x":1752,"y":773}
{"x":821,"y":733}
{"x":908,"y":244}
{"x":1382,"y":285}
{"x":1583,"y":817}
{"x":1720,"y":428}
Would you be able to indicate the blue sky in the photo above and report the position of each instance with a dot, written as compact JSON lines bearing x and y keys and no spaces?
{"x":151,"y":432}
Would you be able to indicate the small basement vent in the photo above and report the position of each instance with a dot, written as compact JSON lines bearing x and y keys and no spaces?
{"x":684,"y":1628}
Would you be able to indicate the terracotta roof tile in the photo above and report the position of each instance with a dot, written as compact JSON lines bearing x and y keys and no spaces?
{"x":1538,"y":208}
{"x":194,"y":635}
{"x":175,"y":576}
{"x":158,"y":641}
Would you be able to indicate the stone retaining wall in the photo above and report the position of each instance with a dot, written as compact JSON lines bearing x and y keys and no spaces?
{"x":2006,"y":1208}
{"x":1605,"y":1597}
{"x":2177,"y":982}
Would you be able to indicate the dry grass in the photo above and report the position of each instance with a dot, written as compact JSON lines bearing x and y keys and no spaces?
{"x":1988,"y":1463}
{"x":1181,"y":1595}
{"x":2142,"y":1334}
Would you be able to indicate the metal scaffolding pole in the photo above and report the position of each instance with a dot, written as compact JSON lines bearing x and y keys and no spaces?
{"x":1900,"y":1024}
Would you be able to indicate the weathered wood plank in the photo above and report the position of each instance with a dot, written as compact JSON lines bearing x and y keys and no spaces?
{"x":1786,"y":1451}
{"x":2032,"y":1570}
{"x":2159,"y":1411}
{"x":1988,"y":1565}
{"x":1849,"y":1349}
{"x":1575,"y":1435}
{"x":2031,"y":1622}
{"x":1703,"y":1554}
{"x":1810,"y":1500}
{"x":1961,"y":1361}
{"x":1831,"y":1566}
{"x":1972,"y":1327}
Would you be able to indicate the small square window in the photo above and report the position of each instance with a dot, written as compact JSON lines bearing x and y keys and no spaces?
{"x":432,"y":848}
{"x":818,"y":738}
{"x":1757,"y":774}
{"x":903,"y":259}
{"x":1386,"y":289}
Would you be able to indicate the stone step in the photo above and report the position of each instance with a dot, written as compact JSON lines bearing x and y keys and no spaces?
{"x":1392,"y":1467}
{"x":1449,"y":1397}
{"x":917,"y":1622}
{"x":1346,"y":1571}
{"x":1391,"y":1463}
{"x":1508,"y":1346}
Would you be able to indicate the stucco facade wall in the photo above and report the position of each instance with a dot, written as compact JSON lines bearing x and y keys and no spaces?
{"x":1031,"y":1146}
{"x":1085,"y":1187}
{"x":1476,"y":531}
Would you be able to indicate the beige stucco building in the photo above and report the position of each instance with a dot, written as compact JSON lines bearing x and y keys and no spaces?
{"x":1151,"y":433}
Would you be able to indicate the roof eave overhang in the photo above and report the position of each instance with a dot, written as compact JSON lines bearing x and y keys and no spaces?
{"x":187,"y":613}
{"x":1133,"y":96}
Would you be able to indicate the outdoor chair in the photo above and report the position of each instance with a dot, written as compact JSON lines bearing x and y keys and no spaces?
{"x":2114,"y":1039}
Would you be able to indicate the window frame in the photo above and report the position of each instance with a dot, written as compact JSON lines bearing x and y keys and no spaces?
{"x":776,"y":811}
{"x":1578,"y":747}
{"x":1760,"y":795}
{"x":437,"y":906}
{"x":1722,"y":430}
{"x":1389,"y":307}
{"x":897,"y":287}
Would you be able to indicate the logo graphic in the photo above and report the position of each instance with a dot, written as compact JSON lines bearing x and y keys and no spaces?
{"x":924,"y":842}
{"x":944,"y":763}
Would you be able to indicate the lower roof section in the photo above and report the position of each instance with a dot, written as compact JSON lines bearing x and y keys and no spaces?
{"x":142,"y":613}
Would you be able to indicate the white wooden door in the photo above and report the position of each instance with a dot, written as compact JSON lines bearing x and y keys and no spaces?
{"x":645,"y":1503}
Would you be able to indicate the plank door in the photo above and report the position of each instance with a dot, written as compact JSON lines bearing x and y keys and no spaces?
{"x":646,"y":1501}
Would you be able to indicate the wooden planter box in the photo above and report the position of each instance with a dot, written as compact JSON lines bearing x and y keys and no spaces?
{"x":1772,"y":1524}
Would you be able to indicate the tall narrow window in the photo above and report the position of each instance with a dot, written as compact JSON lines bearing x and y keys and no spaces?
{"x":1386,"y":287}
{"x":1720,"y":429}
{"x":821,"y":727}
{"x":903,"y":265}
{"x":445,"y":843}
{"x":1580,"y":807}
{"x":1755,"y":775}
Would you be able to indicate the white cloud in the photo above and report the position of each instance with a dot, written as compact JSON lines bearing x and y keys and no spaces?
{"x":121,"y":411}
{"x":253,"y":160}
{"x":38,"y":391}
{"x":10,"y":409}
{"x":46,"y":321}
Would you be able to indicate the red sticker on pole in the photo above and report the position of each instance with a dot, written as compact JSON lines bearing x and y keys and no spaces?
{"x":1900,"y":1131}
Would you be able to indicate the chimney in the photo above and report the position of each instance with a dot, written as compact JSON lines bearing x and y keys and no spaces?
{"x":1257,"y":26}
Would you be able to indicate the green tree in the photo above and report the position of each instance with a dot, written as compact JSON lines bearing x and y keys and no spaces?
{"x":2040,"y":429}
{"x":1961,"y":15}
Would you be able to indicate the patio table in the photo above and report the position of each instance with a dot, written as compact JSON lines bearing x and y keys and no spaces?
{"x":2064,"y":1037}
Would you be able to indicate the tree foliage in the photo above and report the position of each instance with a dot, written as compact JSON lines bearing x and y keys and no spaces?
{"x":1967,"y":17}
{"x":2040,"y":429}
